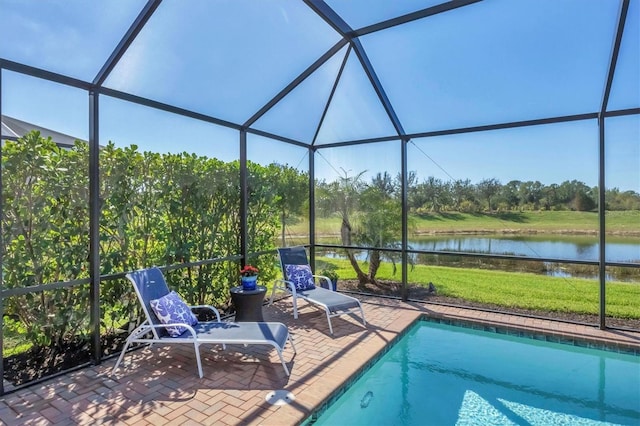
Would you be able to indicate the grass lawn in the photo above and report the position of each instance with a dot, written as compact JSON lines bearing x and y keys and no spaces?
{"x":563,"y":222}
{"x":517,"y":290}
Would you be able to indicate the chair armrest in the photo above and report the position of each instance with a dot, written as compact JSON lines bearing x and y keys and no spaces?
{"x":211,"y":308}
{"x":322,"y":279}
{"x":288,"y":285}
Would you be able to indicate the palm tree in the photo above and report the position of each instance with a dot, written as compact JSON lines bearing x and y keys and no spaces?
{"x":370,"y":216}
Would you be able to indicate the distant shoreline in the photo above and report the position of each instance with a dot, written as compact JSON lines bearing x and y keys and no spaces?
{"x":569,"y":232}
{"x":570,"y":223}
{"x":622,"y":233}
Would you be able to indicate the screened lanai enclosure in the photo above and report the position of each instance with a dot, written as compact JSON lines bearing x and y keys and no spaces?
{"x":474,"y":153}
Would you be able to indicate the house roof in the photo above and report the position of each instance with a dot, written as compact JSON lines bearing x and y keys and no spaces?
{"x":12,"y":128}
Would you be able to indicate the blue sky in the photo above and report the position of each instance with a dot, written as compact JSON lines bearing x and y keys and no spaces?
{"x":492,"y":62}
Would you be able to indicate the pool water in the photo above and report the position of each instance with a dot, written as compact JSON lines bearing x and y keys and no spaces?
{"x":440,"y":374}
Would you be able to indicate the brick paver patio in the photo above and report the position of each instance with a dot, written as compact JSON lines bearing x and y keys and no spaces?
{"x":160,"y":385}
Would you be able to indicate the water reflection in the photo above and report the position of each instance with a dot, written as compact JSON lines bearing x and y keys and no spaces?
{"x":579,"y":248}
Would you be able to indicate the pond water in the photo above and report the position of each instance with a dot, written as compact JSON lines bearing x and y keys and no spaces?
{"x":585,"y":248}
{"x":567,"y":247}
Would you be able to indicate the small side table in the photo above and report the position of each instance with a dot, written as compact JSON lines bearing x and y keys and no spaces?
{"x":248,"y":303}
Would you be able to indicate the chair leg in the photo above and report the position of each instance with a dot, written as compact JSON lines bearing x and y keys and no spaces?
{"x":364,"y":322}
{"x":292,"y":345}
{"x":329,"y":320}
{"x":295,"y":307}
{"x":273,"y":294}
{"x":284,"y":364}
{"x":196,"y":346}
{"x":121,"y":357}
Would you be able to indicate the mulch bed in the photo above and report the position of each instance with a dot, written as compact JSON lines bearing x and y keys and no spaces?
{"x":39,"y":362}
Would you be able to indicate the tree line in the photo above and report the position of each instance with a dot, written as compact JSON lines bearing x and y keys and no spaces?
{"x":434,"y":194}
{"x":490,"y":195}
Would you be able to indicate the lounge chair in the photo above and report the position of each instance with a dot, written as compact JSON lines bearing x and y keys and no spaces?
{"x":151,"y":287}
{"x":300,"y":283}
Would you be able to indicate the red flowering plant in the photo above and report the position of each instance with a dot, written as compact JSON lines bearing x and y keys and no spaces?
{"x":249,"y":271}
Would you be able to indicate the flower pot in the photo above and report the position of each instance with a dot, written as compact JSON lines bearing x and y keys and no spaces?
{"x":249,"y":283}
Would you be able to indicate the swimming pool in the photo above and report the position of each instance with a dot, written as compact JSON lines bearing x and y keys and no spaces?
{"x":439,"y":374}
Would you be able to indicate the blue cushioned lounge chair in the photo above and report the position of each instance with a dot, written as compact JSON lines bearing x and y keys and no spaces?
{"x":332,"y":302}
{"x":149,"y":284}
